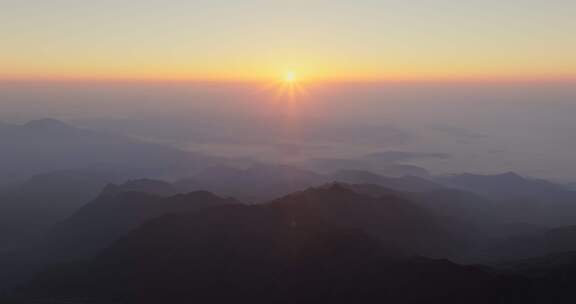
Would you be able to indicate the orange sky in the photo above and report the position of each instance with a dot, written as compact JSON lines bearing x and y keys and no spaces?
{"x":262,"y":40}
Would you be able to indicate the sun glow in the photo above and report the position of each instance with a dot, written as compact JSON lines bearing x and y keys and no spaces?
{"x":290,"y":76}
{"x":290,"y":87}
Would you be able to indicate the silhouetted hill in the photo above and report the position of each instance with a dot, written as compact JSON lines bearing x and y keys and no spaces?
{"x":29,"y":209}
{"x":561,"y":239}
{"x":476,"y":222}
{"x":262,"y":254}
{"x":337,"y":243}
{"x":462,"y":206}
{"x":483,"y":226}
{"x":537,"y":243}
{"x":552,"y":277}
{"x":522,"y":242}
{"x":397,"y":222}
{"x":480,"y":218}
{"x":116,"y":211}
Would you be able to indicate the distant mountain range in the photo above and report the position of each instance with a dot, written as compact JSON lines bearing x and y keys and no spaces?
{"x":47,"y":145}
{"x":510,"y":186}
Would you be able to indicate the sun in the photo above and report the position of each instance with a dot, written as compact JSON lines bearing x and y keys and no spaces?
{"x":290,"y":77}
{"x":289,"y":87}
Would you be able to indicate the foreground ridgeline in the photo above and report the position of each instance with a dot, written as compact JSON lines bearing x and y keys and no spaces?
{"x":325,"y":244}
{"x":338,"y":243}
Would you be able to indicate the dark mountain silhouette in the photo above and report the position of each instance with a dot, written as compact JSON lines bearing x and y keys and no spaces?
{"x":484,"y":217}
{"x":455,"y":204}
{"x":29,"y":209}
{"x":473,"y":220}
{"x":116,"y":211}
{"x":519,"y":242}
{"x":394,"y":220}
{"x":538,"y":243}
{"x":551,"y":277}
{"x":397,"y":222}
{"x":478,"y":223}
{"x":337,"y":243}
{"x":264,"y":254}
{"x":561,"y":239}
{"x":82,"y":230}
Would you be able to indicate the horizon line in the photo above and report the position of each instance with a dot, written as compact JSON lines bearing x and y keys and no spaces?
{"x":319,"y":81}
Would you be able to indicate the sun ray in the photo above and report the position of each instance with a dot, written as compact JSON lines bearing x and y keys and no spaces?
{"x":290,"y":88}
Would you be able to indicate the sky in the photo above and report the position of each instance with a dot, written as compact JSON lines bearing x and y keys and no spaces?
{"x":360,"y":40}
